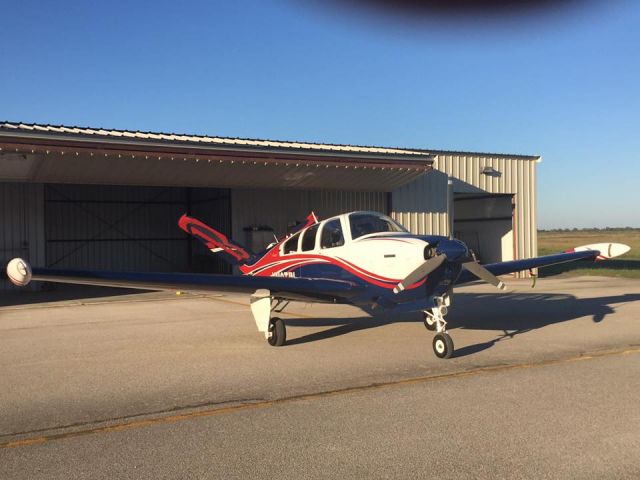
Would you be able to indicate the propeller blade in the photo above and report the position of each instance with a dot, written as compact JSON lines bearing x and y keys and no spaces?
{"x":484,"y":274}
{"x":419,"y":273}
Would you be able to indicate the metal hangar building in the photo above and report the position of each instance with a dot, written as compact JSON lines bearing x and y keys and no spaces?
{"x":110,"y":199}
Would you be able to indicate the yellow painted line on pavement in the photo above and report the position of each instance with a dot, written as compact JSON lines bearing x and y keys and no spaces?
{"x":133,"y":424}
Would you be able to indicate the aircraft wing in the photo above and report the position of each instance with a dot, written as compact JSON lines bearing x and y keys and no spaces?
{"x":601,"y":251}
{"x":305,"y":289}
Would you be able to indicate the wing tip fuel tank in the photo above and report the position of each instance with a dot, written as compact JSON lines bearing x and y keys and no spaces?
{"x":607,"y":250}
{"x":19,"y":272}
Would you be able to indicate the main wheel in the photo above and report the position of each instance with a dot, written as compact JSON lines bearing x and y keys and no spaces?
{"x":442,"y":345}
{"x":278,"y":332}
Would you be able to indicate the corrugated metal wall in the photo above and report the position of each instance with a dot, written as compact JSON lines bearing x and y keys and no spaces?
{"x":421,"y":205}
{"x":21,"y":224}
{"x":278,"y":208}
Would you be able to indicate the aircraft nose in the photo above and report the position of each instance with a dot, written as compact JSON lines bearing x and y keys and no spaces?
{"x":454,"y":249}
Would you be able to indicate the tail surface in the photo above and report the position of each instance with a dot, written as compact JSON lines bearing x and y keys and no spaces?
{"x":215,"y":241}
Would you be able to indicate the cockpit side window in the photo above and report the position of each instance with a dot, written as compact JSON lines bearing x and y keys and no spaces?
{"x":309,"y":238}
{"x":291,"y":245}
{"x":366,"y":223}
{"x":332,"y":235}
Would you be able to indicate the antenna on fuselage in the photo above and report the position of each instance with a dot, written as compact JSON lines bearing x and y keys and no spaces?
{"x":450,"y":206}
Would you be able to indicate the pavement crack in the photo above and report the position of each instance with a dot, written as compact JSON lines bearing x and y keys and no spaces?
{"x":175,"y":409}
{"x":210,"y":409}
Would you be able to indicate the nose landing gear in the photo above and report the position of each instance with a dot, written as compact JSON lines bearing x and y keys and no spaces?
{"x":434,"y":320}
{"x":443,"y":345}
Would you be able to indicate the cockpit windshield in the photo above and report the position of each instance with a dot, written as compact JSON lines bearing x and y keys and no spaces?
{"x":364,"y":223}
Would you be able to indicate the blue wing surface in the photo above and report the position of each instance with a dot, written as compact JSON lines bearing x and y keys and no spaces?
{"x":502,"y":268}
{"x":326,"y":290}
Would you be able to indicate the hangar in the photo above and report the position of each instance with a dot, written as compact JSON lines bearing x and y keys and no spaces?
{"x":74,"y":197}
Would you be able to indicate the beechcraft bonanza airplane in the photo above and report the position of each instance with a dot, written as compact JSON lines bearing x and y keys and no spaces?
{"x":360,"y":258}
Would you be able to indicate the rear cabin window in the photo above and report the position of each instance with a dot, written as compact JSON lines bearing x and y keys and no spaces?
{"x":309,"y":238}
{"x":332,"y":234}
{"x":291,"y":245}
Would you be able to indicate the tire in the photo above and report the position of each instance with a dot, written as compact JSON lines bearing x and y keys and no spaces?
{"x":278,"y":332}
{"x":429,"y":325}
{"x":442,"y":345}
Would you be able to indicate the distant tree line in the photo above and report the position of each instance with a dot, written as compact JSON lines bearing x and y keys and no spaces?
{"x":592,"y":229}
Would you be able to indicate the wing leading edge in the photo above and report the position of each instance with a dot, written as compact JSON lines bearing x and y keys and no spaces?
{"x":579,"y":253}
{"x":319,"y":290}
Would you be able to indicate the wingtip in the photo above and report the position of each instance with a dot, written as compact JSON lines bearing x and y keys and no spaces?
{"x":19,"y":272}
{"x":623,"y":248}
{"x":606,"y":250}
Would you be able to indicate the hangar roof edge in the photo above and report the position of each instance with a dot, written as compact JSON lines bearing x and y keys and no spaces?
{"x":34,"y":130}
{"x":133,"y":135}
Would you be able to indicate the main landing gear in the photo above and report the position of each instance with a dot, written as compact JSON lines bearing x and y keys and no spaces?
{"x":277,"y":332}
{"x":273,"y":328}
{"x":434,"y":320}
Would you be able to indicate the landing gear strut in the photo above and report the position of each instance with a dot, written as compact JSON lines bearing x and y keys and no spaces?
{"x":434,"y":320}
{"x":273,"y":328}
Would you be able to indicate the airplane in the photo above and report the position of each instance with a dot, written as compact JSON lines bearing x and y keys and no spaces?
{"x":361,"y":258}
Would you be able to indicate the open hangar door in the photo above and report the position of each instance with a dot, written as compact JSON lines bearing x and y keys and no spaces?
{"x":21,"y":226}
{"x":485,"y":224}
{"x":129,"y":228}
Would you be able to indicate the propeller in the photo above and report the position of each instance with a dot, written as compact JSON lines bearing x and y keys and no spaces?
{"x":468,"y":262}
{"x":483,"y":274}
{"x":421,"y":272}
{"x":434,"y":262}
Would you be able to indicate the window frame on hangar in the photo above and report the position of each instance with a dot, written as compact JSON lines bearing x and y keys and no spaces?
{"x":100,"y":198}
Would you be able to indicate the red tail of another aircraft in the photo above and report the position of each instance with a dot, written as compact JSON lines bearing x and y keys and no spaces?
{"x":215,"y":241}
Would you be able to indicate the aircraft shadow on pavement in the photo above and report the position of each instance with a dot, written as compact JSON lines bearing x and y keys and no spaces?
{"x":341,"y":326}
{"x":510,"y":314}
{"x":60,"y":293}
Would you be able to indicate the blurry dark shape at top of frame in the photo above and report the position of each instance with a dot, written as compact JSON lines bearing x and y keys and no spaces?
{"x":467,"y":10}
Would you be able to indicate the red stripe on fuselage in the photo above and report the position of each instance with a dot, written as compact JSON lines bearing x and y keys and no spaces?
{"x":272,"y":263}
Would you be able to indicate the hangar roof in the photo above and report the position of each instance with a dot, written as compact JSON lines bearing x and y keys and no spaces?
{"x":63,"y":154}
{"x":96,"y":133}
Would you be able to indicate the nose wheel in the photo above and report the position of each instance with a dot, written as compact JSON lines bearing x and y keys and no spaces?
{"x":442,"y":345}
{"x":434,"y":320}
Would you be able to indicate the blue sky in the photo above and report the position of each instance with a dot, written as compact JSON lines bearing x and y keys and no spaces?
{"x":566,"y":87}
